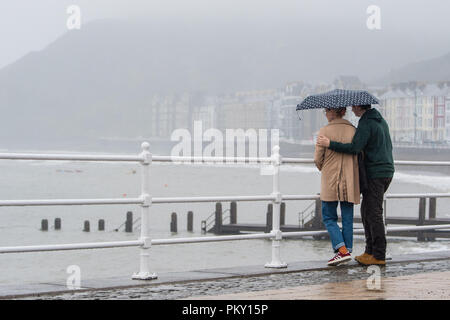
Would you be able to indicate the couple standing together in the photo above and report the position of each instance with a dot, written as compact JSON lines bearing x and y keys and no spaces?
{"x":339,"y":145}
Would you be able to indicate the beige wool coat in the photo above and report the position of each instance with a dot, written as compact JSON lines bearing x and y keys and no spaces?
{"x":340,"y":175}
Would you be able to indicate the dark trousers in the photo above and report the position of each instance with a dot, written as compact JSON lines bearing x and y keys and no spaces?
{"x":372,"y":217}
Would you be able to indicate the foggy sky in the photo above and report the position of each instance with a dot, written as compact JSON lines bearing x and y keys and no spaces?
{"x":423,"y":26}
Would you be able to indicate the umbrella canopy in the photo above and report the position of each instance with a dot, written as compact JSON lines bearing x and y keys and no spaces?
{"x":337,"y":98}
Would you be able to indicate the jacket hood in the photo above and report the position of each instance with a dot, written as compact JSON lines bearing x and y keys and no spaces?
{"x":373,"y":114}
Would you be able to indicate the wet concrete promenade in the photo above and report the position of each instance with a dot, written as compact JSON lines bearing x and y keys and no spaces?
{"x":422,"y":286}
{"x":409,"y":276}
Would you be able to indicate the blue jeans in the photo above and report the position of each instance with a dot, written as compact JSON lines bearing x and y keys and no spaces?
{"x":330,"y":218}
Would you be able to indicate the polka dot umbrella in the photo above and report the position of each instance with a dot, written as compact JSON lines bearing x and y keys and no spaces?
{"x":337,"y":98}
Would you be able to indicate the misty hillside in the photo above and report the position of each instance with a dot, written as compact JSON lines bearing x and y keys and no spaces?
{"x":96,"y":81}
{"x":93,"y":81}
{"x":437,"y":69}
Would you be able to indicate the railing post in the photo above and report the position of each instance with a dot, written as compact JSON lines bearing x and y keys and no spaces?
{"x":144,"y":270}
{"x":276,"y":232}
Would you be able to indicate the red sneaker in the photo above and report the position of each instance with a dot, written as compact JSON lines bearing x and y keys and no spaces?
{"x":339,"y":258}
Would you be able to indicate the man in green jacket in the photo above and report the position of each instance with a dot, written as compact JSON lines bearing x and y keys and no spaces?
{"x":372,"y":137}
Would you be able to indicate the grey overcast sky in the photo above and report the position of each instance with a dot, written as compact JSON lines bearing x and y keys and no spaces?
{"x":30,"y":25}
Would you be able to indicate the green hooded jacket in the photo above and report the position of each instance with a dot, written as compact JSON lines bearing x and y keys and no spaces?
{"x":372,"y":137}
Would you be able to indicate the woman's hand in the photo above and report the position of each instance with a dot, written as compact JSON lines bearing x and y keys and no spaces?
{"x":323,"y":141}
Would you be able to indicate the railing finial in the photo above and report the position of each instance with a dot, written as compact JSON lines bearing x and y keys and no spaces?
{"x":145,"y":146}
{"x":276,"y":149}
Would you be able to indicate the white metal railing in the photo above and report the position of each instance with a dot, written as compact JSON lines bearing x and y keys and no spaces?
{"x":145,"y":200}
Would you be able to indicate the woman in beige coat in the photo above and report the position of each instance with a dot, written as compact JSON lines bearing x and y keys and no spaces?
{"x":339,"y":184}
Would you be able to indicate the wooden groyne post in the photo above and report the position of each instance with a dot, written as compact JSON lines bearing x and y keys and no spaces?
{"x":317,"y":220}
{"x":173,"y":222}
{"x":269,"y":216}
{"x":101,"y":225}
{"x":86,"y":226}
{"x":129,"y":222}
{"x":44,"y":225}
{"x":432,"y":215}
{"x":57,"y":223}
{"x":218,"y":218}
{"x":421,"y":221}
{"x":190,"y":221}
{"x":233,"y":212}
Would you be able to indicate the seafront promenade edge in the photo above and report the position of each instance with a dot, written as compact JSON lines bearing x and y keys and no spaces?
{"x":90,"y":286}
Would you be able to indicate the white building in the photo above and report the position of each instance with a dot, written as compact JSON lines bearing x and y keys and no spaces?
{"x":447,"y":114}
{"x":289,"y":123}
{"x":400,"y":111}
{"x":205,"y":111}
{"x":246,"y":110}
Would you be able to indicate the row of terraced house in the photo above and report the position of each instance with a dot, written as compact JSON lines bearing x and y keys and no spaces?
{"x":416,"y":113}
